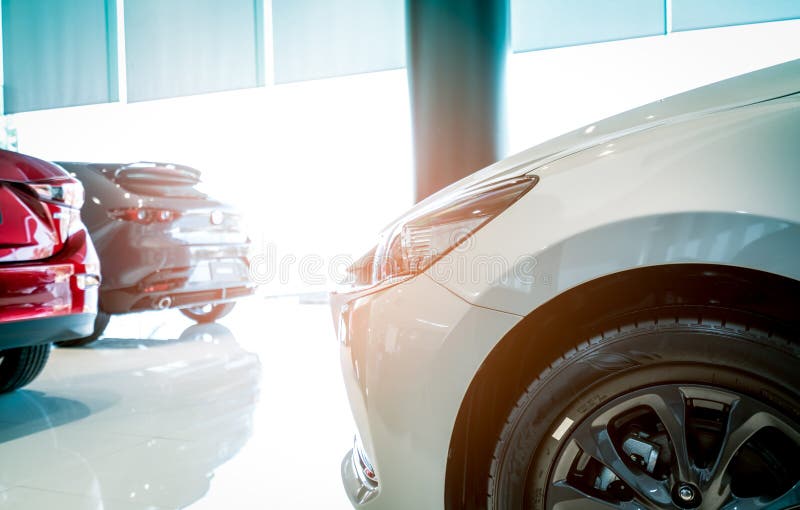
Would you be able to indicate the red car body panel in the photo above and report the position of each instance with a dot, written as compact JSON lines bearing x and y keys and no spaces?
{"x":49,"y":288}
{"x":15,"y":167}
{"x":24,"y":235}
{"x":45,"y":255}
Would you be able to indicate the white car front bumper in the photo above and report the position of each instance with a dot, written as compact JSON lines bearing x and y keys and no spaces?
{"x":409,"y":353}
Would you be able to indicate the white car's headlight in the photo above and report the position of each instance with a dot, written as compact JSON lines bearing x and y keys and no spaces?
{"x":419,"y":239}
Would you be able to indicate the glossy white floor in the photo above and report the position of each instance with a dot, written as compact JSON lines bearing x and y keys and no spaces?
{"x":164,"y":414}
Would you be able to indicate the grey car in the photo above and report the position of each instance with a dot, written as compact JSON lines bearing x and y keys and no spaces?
{"x":162,"y":242}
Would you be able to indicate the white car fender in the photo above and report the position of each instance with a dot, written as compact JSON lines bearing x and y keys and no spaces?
{"x":720,"y":188}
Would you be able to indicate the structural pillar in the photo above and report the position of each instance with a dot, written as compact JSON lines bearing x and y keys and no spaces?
{"x":456,"y":70}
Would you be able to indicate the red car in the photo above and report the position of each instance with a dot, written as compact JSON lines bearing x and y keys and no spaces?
{"x":49,"y":270}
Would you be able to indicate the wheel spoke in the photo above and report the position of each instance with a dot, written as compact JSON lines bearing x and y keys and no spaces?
{"x":745,"y":504}
{"x":669,"y":404}
{"x":597,"y":443}
{"x":746,"y":417}
{"x":563,"y":496}
{"x":790,"y":499}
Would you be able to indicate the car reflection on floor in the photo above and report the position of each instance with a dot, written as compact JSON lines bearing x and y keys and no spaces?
{"x":102,"y":441}
{"x":159,"y":415}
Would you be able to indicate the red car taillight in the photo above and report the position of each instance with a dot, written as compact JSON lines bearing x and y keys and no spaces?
{"x":143,"y":215}
{"x":63,"y":199}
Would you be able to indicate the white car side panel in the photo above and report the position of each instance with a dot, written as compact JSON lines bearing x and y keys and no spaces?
{"x":721,"y":188}
{"x":409,"y":353}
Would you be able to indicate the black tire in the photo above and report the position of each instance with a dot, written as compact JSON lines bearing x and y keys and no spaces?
{"x":20,"y":366}
{"x":201,"y":316}
{"x":100,"y":324}
{"x":553,"y":448}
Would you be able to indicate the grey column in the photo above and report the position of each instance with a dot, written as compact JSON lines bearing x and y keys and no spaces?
{"x":456,"y":68}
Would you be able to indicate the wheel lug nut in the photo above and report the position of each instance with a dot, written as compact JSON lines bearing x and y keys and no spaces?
{"x":686,"y":493}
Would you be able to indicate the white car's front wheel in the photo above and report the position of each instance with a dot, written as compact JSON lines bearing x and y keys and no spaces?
{"x":676,"y":412}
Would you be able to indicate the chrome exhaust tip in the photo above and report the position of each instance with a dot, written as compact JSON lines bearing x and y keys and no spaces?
{"x":163,"y":303}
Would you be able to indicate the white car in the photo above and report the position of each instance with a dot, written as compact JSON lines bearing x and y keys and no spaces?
{"x":608,"y":320}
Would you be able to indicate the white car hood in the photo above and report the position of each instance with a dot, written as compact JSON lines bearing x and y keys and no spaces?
{"x":763,"y":85}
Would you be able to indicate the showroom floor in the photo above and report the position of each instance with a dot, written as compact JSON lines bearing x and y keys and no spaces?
{"x":164,"y":414}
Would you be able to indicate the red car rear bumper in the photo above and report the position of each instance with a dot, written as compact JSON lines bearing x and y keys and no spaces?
{"x":49,"y":300}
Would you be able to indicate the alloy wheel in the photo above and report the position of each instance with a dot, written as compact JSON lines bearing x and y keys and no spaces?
{"x":679,"y":447}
